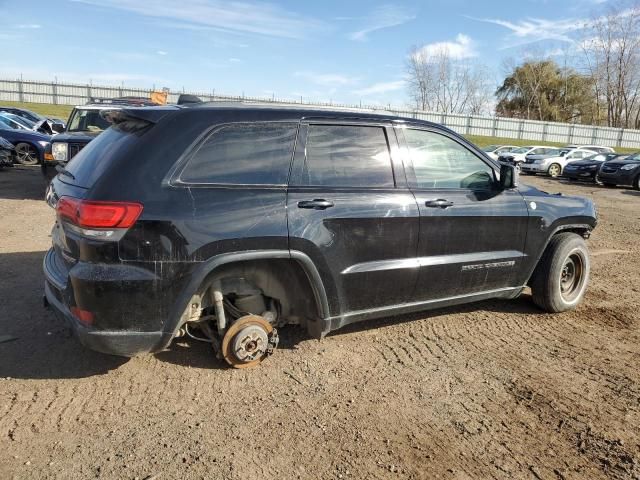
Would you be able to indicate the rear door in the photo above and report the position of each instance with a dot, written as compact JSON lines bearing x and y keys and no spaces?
{"x":472,"y":234}
{"x":351,"y":212}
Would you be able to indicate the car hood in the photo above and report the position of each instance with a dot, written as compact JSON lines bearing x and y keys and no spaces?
{"x":12,"y":135}
{"x":622,"y":162}
{"x":75,"y":136}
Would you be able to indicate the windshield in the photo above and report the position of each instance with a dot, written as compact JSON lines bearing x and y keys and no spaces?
{"x":521,"y":150}
{"x":10,"y":123}
{"x":85,"y":120}
{"x":489,"y":148}
{"x":25,"y":122}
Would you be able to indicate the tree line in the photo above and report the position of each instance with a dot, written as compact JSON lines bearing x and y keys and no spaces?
{"x":598,"y":82}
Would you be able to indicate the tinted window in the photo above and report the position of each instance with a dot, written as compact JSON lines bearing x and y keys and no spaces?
{"x":347,"y":156}
{"x":244,"y":154}
{"x":99,"y":154}
{"x":440,"y":162}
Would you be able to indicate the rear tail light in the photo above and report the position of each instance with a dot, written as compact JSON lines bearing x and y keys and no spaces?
{"x":84,"y":316}
{"x":98,"y":219}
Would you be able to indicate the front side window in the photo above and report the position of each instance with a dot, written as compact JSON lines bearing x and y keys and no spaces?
{"x":347,"y":156}
{"x":440,"y":162}
{"x":243,"y":154}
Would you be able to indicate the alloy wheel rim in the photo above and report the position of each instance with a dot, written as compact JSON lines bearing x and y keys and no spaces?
{"x":26,"y":154}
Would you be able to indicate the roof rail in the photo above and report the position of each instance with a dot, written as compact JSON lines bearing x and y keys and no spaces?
{"x":129,"y":101}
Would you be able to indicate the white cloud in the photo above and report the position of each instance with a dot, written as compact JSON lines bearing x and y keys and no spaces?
{"x":382,"y":87}
{"x":29,"y":26}
{"x":245,"y":17}
{"x":384,"y":16}
{"x":327,"y":79}
{"x":235,"y":60}
{"x":532,"y":30}
{"x":161,"y":52}
{"x":462,"y":47}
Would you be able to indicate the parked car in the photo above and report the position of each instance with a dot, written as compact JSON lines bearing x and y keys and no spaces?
{"x":29,"y":145}
{"x":552,"y":163}
{"x":517,"y":156}
{"x":85,"y":123}
{"x":621,"y":171}
{"x":595,"y":148}
{"x":7,"y":153}
{"x":50,"y":125}
{"x":495,"y":150}
{"x":587,"y":169}
{"x":230,"y":221}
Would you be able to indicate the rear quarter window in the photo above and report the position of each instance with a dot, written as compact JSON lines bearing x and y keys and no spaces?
{"x":243,"y":154}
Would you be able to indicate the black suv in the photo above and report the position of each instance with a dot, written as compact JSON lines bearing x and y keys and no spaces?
{"x":226,"y":222}
{"x":85,"y":123}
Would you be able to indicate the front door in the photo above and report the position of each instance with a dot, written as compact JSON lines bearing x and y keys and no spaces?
{"x":350,"y":210}
{"x":472,"y":233}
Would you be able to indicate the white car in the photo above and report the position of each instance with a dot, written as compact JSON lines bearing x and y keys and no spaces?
{"x":517,"y":156}
{"x":495,"y":150}
{"x":553,"y":164}
{"x":595,"y":148}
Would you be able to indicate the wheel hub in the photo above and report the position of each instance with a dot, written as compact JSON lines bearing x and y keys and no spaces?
{"x":249,"y":341}
{"x":571,"y":276}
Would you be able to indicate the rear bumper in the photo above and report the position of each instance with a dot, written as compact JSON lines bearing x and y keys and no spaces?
{"x":115,"y":342}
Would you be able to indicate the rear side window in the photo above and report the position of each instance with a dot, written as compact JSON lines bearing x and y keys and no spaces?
{"x":243,"y":154}
{"x":347,"y":156}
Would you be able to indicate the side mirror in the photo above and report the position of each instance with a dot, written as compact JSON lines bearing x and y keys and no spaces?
{"x":508,"y":176}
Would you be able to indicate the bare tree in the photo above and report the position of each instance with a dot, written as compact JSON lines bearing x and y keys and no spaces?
{"x":611,"y":47}
{"x":439,"y":83}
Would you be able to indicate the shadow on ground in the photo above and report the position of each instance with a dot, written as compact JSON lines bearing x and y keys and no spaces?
{"x":22,"y":183}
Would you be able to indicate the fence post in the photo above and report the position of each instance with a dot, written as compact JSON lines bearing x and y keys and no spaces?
{"x":20,"y":91}
{"x":468,"y":126}
{"x":89,"y":93}
{"x":494,"y":128}
{"x":545,"y":129}
{"x":620,"y":135}
{"x":520,"y":129}
{"x":54,"y":90}
{"x":572,"y":127}
{"x":594,"y":135}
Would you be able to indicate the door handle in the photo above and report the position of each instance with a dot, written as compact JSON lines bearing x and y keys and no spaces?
{"x":315,"y":204}
{"x":438,"y":203}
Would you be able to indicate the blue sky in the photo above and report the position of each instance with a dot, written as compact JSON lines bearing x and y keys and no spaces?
{"x":344,"y":51}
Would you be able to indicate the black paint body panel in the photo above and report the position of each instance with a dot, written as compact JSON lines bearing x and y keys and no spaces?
{"x":374,"y":252}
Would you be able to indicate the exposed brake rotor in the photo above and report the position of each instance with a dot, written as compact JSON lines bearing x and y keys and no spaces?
{"x":248,"y":341}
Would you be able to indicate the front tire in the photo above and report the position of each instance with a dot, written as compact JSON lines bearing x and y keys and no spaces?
{"x":560,"y":279}
{"x":26,"y":154}
{"x":554,"y":170}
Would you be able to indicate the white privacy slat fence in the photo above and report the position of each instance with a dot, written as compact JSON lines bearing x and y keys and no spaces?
{"x":531,"y":130}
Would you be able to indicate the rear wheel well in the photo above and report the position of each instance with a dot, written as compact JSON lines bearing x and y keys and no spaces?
{"x":281,"y":279}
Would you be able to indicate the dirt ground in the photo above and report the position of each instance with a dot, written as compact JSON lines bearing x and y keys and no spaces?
{"x":492,"y":390}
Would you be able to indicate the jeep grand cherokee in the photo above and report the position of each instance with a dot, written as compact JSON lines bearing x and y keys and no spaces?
{"x":227,"y":222}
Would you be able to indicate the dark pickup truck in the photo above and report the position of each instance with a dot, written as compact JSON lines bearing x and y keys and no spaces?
{"x":85,"y":123}
{"x":225,"y":222}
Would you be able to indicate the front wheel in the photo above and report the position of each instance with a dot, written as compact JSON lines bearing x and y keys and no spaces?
{"x":560,"y":279}
{"x":554,"y":170}
{"x":26,"y":154}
